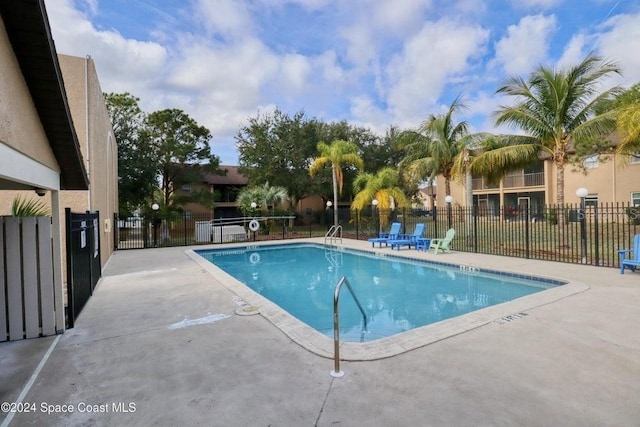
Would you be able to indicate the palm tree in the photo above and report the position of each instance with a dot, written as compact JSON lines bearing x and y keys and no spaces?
{"x":340,"y":152}
{"x":443,"y":147}
{"x":628,"y":121}
{"x":439,"y":147}
{"x":385,"y":187}
{"x":263,"y":196}
{"x":557,"y":109}
{"x":23,"y":206}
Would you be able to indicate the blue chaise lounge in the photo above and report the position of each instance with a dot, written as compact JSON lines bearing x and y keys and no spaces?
{"x":408,"y":240}
{"x":385,"y":237}
{"x":634,"y":261}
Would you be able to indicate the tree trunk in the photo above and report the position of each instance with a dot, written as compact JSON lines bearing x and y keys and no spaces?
{"x":562,"y":238}
{"x":335,"y":195}
{"x":469,"y":207}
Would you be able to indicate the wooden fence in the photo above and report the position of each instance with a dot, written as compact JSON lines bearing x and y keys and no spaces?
{"x":27,"y":291}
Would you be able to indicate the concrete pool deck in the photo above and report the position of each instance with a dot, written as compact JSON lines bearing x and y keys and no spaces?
{"x":160,"y":334}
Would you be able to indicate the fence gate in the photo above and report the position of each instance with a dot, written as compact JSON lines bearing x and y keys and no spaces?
{"x":83,"y":260}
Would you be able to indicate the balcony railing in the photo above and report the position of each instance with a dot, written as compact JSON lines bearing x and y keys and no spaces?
{"x":524,"y":180}
{"x":510,"y":181}
{"x":481,"y":184}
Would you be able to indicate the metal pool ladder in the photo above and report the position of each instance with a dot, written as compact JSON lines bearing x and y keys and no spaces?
{"x":337,"y":373}
{"x":334,"y":233}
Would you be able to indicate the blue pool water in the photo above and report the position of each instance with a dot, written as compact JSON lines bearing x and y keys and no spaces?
{"x":397,"y":294}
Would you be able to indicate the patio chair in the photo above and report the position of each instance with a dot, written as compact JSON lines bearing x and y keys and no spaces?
{"x":634,"y":260}
{"x":443,"y":244}
{"x":408,"y":240}
{"x":393,"y":233}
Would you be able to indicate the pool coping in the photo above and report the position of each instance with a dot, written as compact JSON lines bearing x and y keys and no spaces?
{"x":323,"y":346}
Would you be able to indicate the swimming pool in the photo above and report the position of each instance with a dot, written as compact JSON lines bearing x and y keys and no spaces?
{"x":398,"y":294}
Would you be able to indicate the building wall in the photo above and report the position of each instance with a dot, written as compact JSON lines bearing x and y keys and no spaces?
{"x":101,"y":161}
{"x":97,"y":144}
{"x":20,"y":126}
{"x":613,"y":180}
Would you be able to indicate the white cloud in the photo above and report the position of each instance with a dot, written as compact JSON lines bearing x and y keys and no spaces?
{"x":230,"y":75}
{"x":471,"y":7}
{"x":398,"y":17}
{"x":123,"y":63}
{"x":439,"y":52}
{"x":311,"y":5}
{"x":620,"y":42}
{"x":536,"y":4}
{"x":574,"y":51}
{"x":525,"y":45}
{"x":228,"y":18}
{"x":366,"y":113}
{"x":294,"y":71}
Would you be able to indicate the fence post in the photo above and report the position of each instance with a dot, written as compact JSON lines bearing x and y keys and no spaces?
{"x":184,"y":227}
{"x":475,"y":228}
{"x":116,"y":231}
{"x":435,"y":220}
{"x":597,"y":237}
{"x":70,"y":284}
{"x":527,"y":235}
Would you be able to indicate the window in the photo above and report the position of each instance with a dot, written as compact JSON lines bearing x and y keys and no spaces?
{"x":591,"y":162}
{"x":635,"y":158}
{"x":635,"y":199}
{"x":187,"y":215}
{"x":186,"y":188}
{"x":591,"y":200}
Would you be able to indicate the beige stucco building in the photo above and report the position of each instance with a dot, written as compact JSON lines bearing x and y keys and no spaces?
{"x":97,"y":146}
{"x":608,"y":179}
{"x":39,"y":150}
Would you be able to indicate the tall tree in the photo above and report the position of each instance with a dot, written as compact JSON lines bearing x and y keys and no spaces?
{"x":278,"y":149}
{"x":183,"y":151}
{"x":380,"y":152}
{"x":439,"y":147}
{"x":137,"y":166}
{"x":557,"y":109}
{"x":338,"y":154}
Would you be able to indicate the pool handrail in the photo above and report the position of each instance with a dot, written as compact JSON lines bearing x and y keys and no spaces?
{"x":337,"y":373}
{"x":331,"y":234}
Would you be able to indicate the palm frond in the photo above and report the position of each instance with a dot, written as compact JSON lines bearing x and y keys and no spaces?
{"x":24,"y":207}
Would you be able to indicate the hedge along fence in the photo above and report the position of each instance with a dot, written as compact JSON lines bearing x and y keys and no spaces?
{"x":529,"y":233}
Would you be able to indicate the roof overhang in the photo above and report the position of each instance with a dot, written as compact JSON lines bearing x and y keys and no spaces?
{"x":27,"y":26}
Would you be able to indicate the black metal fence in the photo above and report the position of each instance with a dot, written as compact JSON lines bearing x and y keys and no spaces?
{"x":568,"y":233}
{"x":83,"y":260}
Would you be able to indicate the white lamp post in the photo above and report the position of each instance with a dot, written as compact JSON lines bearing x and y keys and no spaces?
{"x":582,"y":193}
{"x":374,"y":203}
{"x":155,"y":208}
{"x":448,"y":200}
{"x":328,"y":214}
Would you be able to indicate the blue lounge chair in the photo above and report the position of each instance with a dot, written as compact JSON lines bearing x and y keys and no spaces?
{"x":634,"y":260}
{"x":408,"y":240}
{"x":385,"y":237}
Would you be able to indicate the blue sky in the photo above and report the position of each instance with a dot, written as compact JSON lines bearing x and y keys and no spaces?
{"x":372,"y":62}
